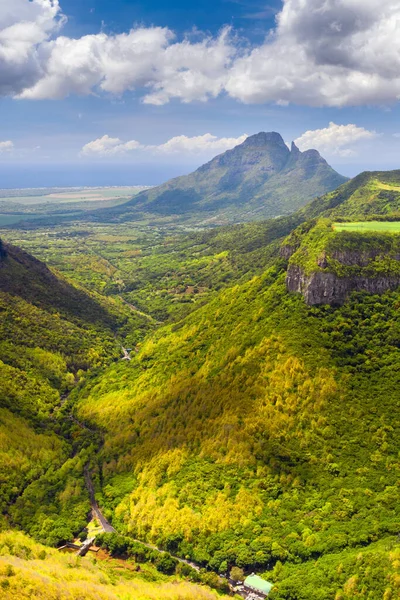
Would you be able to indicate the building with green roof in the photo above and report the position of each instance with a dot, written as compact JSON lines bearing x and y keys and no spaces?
{"x":258,"y":585}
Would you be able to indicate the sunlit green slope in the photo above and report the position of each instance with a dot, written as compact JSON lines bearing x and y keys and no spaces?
{"x":262,"y":432}
{"x":257,"y":430}
{"x":368,"y":194}
{"x":52,"y":335}
{"x":29,"y":571}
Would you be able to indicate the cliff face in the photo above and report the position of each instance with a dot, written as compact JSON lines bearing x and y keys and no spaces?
{"x":327,"y":288}
{"x":326,"y":266}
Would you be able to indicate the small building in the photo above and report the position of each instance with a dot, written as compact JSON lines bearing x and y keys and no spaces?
{"x":256,"y":587}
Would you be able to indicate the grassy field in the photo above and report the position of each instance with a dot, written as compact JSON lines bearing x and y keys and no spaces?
{"x":361,"y":226}
{"x":59,"y":196}
{"x":27,"y":204}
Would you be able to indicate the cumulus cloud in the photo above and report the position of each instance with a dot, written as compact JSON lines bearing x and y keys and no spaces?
{"x":320,"y":53}
{"x":144,"y":58}
{"x":6,"y":146}
{"x":335,"y":139}
{"x":198,"y":144}
{"x":332,"y":53}
{"x":25,"y":27}
{"x":108,"y":146}
{"x":181,"y":144}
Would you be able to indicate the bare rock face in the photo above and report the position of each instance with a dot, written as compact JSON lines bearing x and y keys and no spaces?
{"x":287,"y":251}
{"x":356,"y":258}
{"x":327,"y":288}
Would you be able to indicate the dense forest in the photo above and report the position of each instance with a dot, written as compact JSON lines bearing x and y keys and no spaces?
{"x":249,"y":430}
{"x":53,"y":336}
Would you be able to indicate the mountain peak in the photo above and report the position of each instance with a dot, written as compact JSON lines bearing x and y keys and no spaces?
{"x":259,"y":178}
{"x":294,"y":149}
{"x":263,"y":139}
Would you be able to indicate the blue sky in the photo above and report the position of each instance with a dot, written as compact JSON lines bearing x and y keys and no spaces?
{"x":109,"y":93}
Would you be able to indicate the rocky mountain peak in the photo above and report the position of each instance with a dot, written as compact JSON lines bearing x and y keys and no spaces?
{"x":294,"y":149}
{"x":264,"y":139}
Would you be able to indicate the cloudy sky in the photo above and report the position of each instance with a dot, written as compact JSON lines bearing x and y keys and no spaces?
{"x":133,"y":92}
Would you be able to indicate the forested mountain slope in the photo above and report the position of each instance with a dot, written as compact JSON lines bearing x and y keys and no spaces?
{"x":167,"y":272}
{"x":51,"y":335}
{"x":259,"y":178}
{"x":368,"y":194}
{"x":257,"y":431}
{"x":262,"y":432}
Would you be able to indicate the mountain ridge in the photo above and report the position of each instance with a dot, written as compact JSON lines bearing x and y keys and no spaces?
{"x":261,"y":177}
{"x":257,"y":431}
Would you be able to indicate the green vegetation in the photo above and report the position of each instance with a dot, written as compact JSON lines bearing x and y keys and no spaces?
{"x":53,"y":337}
{"x":361,"y":226}
{"x":370,"y":573}
{"x":369,"y":195}
{"x":29,"y":570}
{"x":271,"y":443}
{"x":346,"y":251}
{"x":123,"y":546}
{"x":249,"y":432}
{"x":163,"y":273}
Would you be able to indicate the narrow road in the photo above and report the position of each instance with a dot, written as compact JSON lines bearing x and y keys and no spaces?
{"x":127,"y":355}
{"x":110,"y":529}
{"x":95,"y":507}
{"x":139,"y":312}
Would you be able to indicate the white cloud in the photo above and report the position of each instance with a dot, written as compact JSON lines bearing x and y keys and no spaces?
{"x":335,"y":139}
{"x":25,"y":28}
{"x":181,"y":144}
{"x":330,"y":53}
{"x":108,"y":146}
{"x":6,"y":146}
{"x":144,"y":58}
{"x":321,"y":53}
{"x":198,"y":144}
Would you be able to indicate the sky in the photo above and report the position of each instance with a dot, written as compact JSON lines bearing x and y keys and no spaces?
{"x":119,"y":92}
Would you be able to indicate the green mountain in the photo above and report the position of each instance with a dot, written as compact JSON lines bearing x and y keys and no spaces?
{"x":370,"y":193}
{"x":53,"y":335}
{"x":261,"y":431}
{"x":259,"y":178}
{"x":257,"y":430}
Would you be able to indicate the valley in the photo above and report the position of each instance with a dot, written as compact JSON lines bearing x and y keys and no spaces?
{"x":251,"y":429}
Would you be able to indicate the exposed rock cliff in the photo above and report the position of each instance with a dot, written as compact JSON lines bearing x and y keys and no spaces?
{"x":327,"y":288}
{"x":326,"y":266}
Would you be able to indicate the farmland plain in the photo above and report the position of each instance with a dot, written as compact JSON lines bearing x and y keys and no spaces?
{"x":27,"y":204}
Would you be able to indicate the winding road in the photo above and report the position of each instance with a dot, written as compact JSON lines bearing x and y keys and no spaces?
{"x":95,"y":507}
{"x":110,"y":529}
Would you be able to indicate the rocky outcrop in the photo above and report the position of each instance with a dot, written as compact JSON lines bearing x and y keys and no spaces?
{"x":322,"y":287}
{"x":286,"y":251}
{"x":351,"y":258}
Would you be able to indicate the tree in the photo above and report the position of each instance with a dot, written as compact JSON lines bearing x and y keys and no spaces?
{"x":237,"y":574}
{"x":165,"y":563}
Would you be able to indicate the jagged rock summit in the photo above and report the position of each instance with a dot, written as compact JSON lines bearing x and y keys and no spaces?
{"x":259,"y":178}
